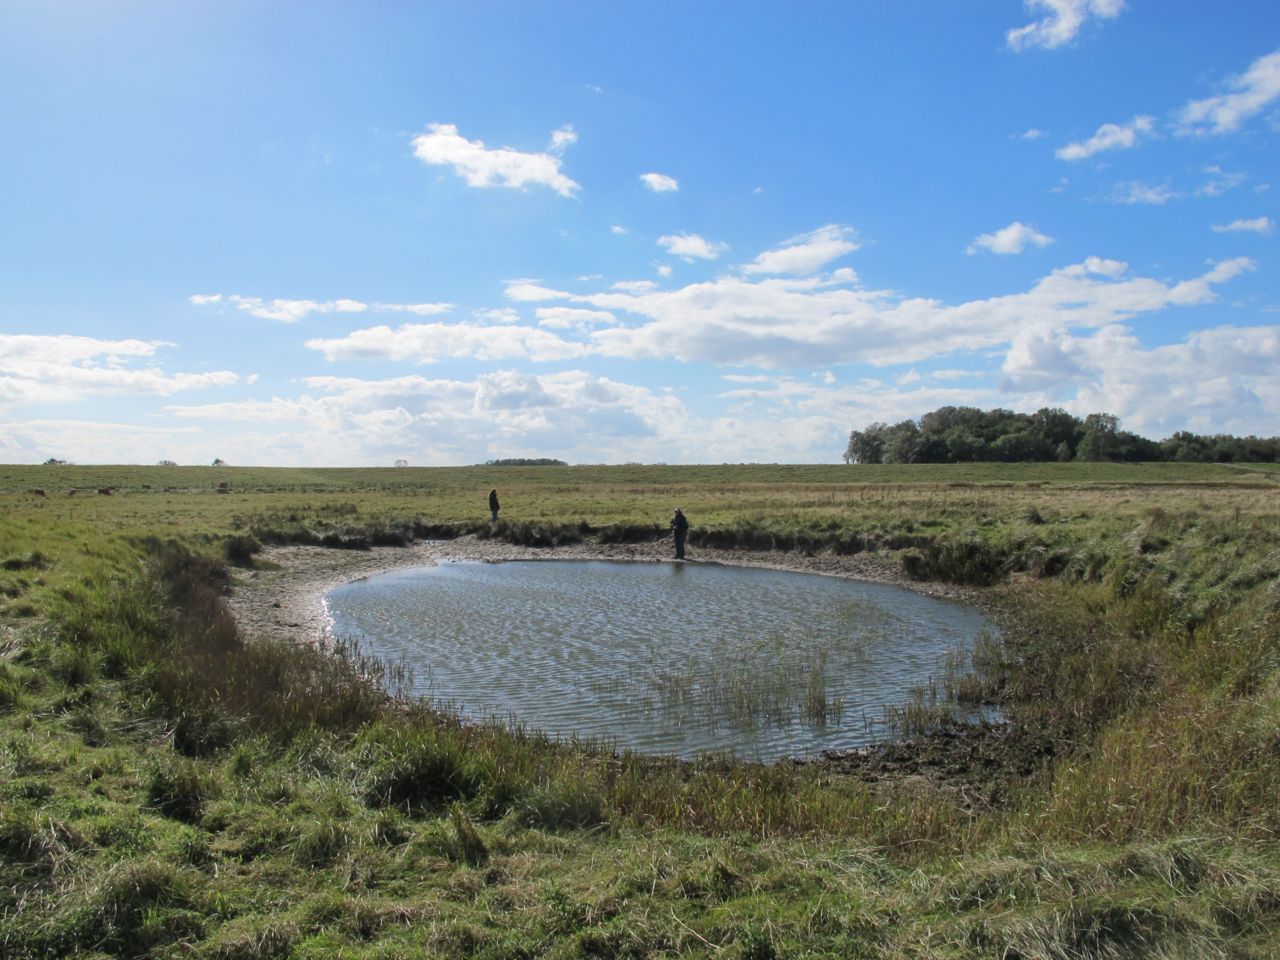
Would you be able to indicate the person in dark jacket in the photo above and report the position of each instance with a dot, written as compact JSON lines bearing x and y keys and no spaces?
{"x":493,"y":504}
{"x":679,"y":530}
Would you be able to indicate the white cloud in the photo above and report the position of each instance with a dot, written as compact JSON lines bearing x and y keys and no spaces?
{"x":806,"y":253}
{"x":1131,"y":192}
{"x":529,"y":291}
{"x":781,"y":321}
{"x":574,"y":318}
{"x":1256,"y":225}
{"x":53,"y":368}
{"x":291,"y":311}
{"x":634,"y":286}
{"x":431,"y":342}
{"x":1033,"y":133}
{"x":574,"y":415}
{"x":1221,"y":181}
{"x":660,"y":182}
{"x":418,"y":309}
{"x":618,"y":231}
{"x":1061,"y":23}
{"x":691,"y":247}
{"x":1252,"y":92}
{"x":1221,"y":379}
{"x":807,"y":321}
{"x":501,"y":167}
{"x":562,"y":139}
{"x":499,"y":315}
{"x":1109,"y":136}
{"x":1011,"y":239}
{"x":664,"y":270}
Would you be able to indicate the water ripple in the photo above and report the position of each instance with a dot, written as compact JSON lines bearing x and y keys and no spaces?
{"x":663,"y":658}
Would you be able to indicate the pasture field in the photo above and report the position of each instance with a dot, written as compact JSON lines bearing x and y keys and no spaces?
{"x":170,"y":787}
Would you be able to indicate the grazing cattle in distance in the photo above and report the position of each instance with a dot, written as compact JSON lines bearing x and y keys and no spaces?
{"x":104,"y":491}
{"x":39,"y":493}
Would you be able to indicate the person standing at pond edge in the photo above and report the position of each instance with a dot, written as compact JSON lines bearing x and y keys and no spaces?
{"x":679,"y":530}
{"x":493,"y":504}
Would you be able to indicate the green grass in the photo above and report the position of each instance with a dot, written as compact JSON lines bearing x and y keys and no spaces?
{"x":171,"y":788}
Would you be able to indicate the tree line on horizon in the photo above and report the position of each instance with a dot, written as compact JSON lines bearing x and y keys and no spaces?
{"x":969,"y":435}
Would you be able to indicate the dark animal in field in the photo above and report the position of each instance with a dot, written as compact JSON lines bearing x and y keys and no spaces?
{"x":39,"y":493}
{"x":104,"y":491}
{"x":71,"y":492}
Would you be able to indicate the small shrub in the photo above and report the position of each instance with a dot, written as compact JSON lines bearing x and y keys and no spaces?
{"x":241,"y":548}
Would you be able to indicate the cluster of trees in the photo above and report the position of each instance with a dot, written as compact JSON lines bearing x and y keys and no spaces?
{"x":525,"y":462}
{"x":967,"y":435}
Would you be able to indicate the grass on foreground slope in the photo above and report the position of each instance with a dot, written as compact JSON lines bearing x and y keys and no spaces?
{"x":170,"y":788}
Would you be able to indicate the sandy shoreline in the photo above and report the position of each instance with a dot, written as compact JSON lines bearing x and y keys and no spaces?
{"x":286,"y":602}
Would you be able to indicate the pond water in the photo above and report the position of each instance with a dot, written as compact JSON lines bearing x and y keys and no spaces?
{"x":664,"y":658}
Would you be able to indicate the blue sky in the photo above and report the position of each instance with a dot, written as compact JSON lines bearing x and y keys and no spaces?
{"x":347,"y":234}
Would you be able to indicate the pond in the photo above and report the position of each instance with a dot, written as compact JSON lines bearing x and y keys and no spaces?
{"x":662,"y":658}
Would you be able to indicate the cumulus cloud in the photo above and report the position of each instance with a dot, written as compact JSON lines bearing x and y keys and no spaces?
{"x":799,"y":323}
{"x":1109,"y":136}
{"x":431,"y":342}
{"x":574,"y":318}
{"x":1250,"y":93}
{"x":481,"y":166}
{"x":53,"y":368}
{"x":691,"y":247}
{"x":1061,"y":22}
{"x":806,"y":253}
{"x":786,"y":321}
{"x":660,"y":182}
{"x":1224,"y":378}
{"x":1256,"y":225}
{"x":1011,"y":239}
{"x":573,"y":415}
{"x":291,"y":311}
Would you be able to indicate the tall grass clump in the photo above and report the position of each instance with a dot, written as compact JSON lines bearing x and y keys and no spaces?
{"x":419,"y":768}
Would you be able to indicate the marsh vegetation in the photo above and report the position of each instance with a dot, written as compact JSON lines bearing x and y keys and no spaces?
{"x":170,"y":787}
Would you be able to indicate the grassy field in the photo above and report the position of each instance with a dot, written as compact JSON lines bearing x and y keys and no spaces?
{"x":171,"y":788}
